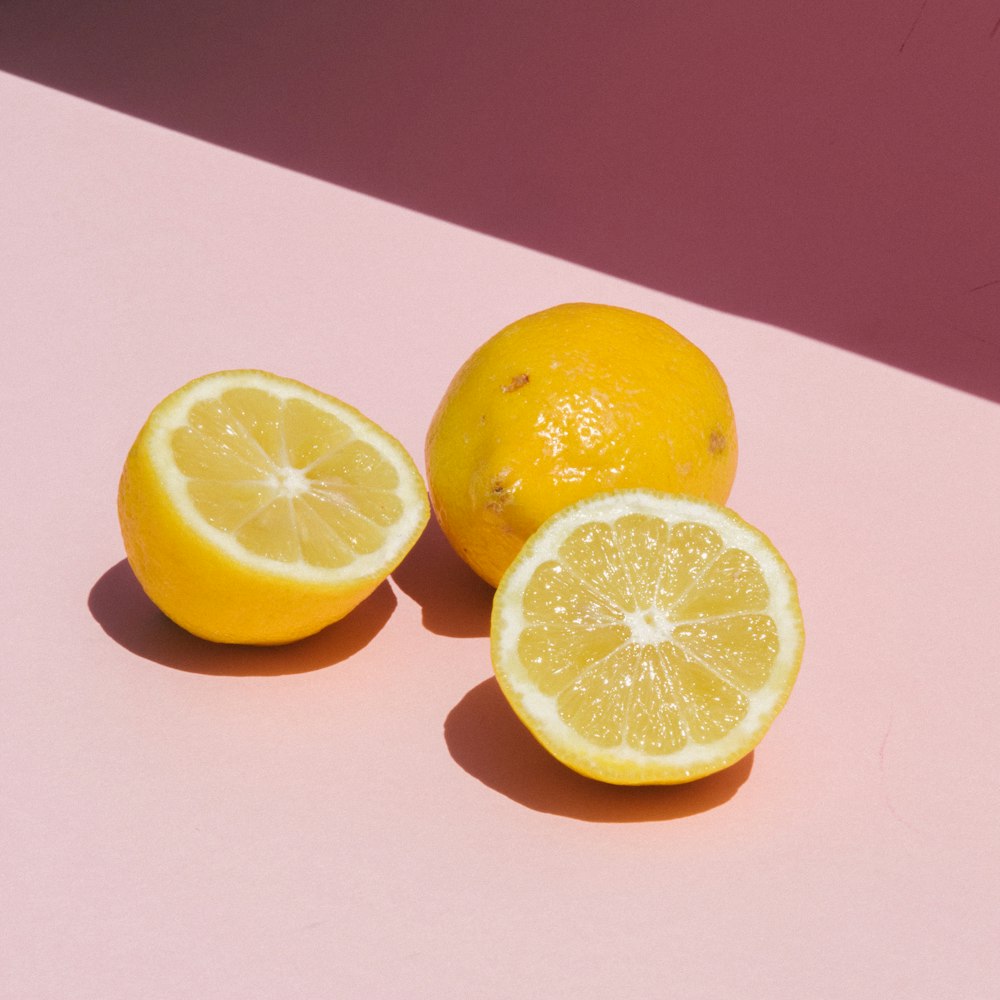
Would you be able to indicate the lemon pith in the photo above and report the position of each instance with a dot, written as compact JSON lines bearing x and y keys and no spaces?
{"x":647,"y":638}
{"x":568,"y":402}
{"x":255,"y":509}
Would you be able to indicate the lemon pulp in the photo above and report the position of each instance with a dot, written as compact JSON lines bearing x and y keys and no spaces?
{"x":287,"y":480}
{"x":647,"y":638}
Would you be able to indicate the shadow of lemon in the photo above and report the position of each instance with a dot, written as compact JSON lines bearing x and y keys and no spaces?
{"x":487,"y":740}
{"x":120,"y":606}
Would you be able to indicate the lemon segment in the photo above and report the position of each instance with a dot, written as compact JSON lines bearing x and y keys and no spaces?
{"x":255,"y":509}
{"x":647,"y":638}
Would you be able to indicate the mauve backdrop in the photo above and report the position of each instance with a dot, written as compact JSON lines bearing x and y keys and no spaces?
{"x":828,"y":168}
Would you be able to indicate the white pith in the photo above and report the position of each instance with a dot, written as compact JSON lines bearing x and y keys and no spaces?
{"x":648,"y":626}
{"x":288,"y":481}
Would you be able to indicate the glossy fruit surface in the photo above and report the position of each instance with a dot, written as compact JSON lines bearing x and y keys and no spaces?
{"x":565,"y":403}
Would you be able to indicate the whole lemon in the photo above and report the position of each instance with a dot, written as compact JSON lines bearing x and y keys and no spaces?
{"x":565,"y":403}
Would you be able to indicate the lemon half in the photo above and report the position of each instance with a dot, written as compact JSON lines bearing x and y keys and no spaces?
{"x":647,"y":638}
{"x":255,"y":509}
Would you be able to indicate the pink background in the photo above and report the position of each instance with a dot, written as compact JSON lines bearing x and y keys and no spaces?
{"x":360,"y":814}
{"x":829,"y":168}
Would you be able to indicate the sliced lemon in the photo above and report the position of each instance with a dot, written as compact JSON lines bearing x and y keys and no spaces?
{"x":647,"y":638}
{"x":255,"y":509}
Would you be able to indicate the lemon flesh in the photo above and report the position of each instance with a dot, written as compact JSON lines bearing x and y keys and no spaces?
{"x":255,"y":509}
{"x":647,"y":638}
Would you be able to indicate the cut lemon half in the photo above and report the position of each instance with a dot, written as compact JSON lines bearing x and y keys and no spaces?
{"x":647,"y":638}
{"x":255,"y":509}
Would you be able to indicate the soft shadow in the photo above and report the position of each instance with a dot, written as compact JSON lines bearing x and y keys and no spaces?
{"x":455,"y":602}
{"x":127,"y":615}
{"x":486,"y":738}
{"x":828,"y":168}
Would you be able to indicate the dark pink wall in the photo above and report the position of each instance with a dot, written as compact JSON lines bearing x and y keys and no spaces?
{"x":833,"y":168}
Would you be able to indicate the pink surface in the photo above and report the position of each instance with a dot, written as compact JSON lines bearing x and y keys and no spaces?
{"x":360,"y":815}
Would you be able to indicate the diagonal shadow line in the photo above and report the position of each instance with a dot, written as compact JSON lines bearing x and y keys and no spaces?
{"x":789,"y":163}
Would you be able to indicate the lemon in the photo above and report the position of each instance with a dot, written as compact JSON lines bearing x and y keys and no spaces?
{"x":565,"y":403}
{"x":647,"y":638}
{"x":255,"y":509}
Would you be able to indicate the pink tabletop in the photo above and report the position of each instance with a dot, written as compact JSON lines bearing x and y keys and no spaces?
{"x":360,"y":815}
